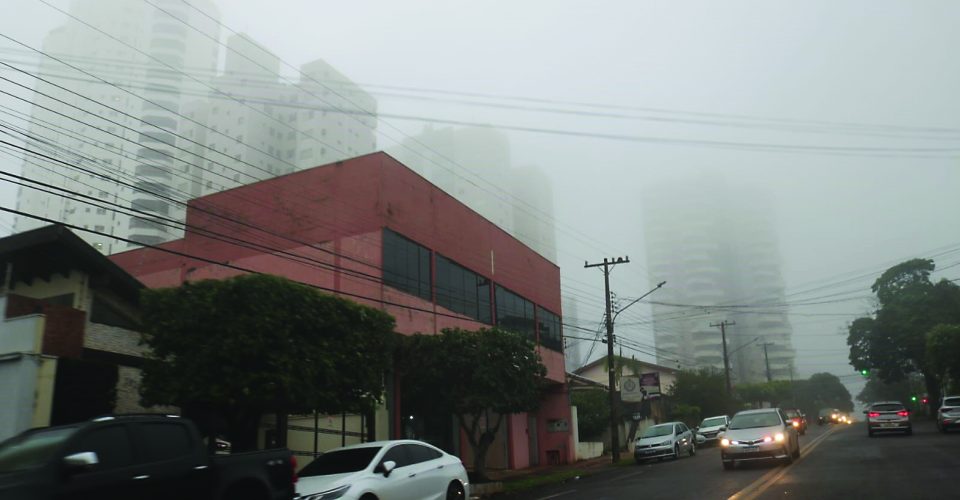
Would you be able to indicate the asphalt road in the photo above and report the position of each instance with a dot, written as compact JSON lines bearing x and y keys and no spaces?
{"x":836,"y":462}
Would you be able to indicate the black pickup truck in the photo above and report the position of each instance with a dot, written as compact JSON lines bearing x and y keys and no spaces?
{"x":137,"y":457}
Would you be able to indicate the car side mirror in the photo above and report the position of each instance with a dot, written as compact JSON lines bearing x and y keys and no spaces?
{"x":386,"y":468}
{"x":79,"y":462}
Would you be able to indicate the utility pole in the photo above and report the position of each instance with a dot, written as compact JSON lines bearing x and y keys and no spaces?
{"x":766,"y":359}
{"x":614,"y":417}
{"x":726,"y":361}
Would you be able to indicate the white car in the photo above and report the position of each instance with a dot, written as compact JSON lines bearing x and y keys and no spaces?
{"x":764,"y":434}
{"x":711,"y":427}
{"x":384,"y":470}
{"x":664,"y":440}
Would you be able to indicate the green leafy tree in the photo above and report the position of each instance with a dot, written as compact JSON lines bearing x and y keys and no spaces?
{"x":232,"y":350}
{"x":878,"y":390}
{"x":821,"y":390}
{"x":943,"y":352}
{"x":893,"y":343}
{"x":705,"y":389}
{"x":472,"y":375}
{"x":593,"y":412}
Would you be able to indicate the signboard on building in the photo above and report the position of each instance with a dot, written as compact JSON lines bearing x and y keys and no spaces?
{"x":650,"y":384}
{"x":631,"y":391}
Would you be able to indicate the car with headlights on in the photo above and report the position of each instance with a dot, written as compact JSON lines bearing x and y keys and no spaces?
{"x":764,"y":434}
{"x":671,"y":439}
{"x":711,"y":428}
{"x":888,"y":416}
{"x":385,"y":470}
{"x":829,"y":416}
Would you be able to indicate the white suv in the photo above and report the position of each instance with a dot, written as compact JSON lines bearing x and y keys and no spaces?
{"x":885,"y":416}
{"x":948,"y":416}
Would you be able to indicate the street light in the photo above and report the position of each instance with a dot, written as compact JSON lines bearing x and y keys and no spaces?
{"x":638,"y":299}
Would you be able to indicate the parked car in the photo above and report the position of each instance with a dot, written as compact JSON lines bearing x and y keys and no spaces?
{"x":764,"y":434}
{"x":670,"y":439}
{"x":711,"y":427}
{"x":797,"y":419}
{"x":392,"y":470}
{"x":948,"y":416}
{"x":142,"y":457}
{"x":888,"y":416}
{"x":829,"y":416}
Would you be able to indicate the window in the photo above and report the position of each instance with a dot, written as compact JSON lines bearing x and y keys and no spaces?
{"x":463,"y":291}
{"x":341,"y":462}
{"x":397,"y":454}
{"x":515,"y":313}
{"x":163,"y":441}
{"x":419,"y":453}
{"x":551,"y":334}
{"x":111,"y":444}
{"x":406,"y":265}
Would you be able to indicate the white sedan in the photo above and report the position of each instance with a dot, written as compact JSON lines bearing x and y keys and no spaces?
{"x":385,"y":470}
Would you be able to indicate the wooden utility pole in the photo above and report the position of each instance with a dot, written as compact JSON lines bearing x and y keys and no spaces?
{"x":766,"y":359}
{"x":614,"y":414}
{"x":726,"y":361}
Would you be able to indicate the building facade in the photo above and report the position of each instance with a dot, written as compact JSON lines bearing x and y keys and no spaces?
{"x":69,"y":345}
{"x":717,"y":247}
{"x":136,"y":113}
{"x":373,"y":230}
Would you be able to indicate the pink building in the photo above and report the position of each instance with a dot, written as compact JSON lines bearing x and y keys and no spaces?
{"x":376,"y":232}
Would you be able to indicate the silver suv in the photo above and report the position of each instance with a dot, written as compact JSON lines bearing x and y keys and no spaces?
{"x":888,"y":416}
{"x":711,"y":427}
{"x":948,"y":416}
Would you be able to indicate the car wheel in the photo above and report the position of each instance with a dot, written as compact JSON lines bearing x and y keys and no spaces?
{"x":368,"y":496}
{"x":909,"y":431}
{"x":789,"y":459}
{"x":638,"y":460}
{"x":693,"y":449}
{"x":676,"y":452}
{"x":455,"y":491}
{"x":869,"y":433}
{"x":729,"y":465}
{"x":796,"y":452}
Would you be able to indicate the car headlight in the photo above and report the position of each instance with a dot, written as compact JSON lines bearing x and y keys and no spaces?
{"x":767,"y":439}
{"x":796,"y":424}
{"x":778,"y":437}
{"x":328,"y":495}
{"x":724,"y":442}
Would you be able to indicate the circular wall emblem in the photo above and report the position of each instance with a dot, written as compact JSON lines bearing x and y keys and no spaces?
{"x":629,"y":385}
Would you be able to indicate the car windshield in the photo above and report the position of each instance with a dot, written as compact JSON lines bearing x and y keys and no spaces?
{"x":887,"y":407}
{"x":951,"y":402}
{"x":658,"y":430}
{"x":712,"y":422}
{"x":340,"y":462}
{"x":752,"y":420}
{"x":32,"y":449}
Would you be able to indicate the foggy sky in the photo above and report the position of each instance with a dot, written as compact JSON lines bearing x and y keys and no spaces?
{"x":866,"y":62}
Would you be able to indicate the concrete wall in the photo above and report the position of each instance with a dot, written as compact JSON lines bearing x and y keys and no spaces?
{"x":21,"y":334}
{"x":26,"y":390}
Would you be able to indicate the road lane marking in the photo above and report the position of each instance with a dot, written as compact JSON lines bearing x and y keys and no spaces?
{"x":756,"y":488}
{"x":555,"y":495}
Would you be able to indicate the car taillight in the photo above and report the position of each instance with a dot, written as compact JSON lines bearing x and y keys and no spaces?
{"x":873,"y":414}
{"x":903,"y":413}
{"x":293,"y":469}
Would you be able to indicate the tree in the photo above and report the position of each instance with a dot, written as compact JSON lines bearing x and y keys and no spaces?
{"x":943,"y":352}
{"x":821,"y":390}
{"x":470,"y":375}
{"x":705,"y":389}
{"x":232,"y":350}
{"x":593,"y":412}
{"x":893,"y":343}
{"x":878,"y":390}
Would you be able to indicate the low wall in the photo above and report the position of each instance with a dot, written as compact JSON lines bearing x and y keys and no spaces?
{"x":586,"y":451}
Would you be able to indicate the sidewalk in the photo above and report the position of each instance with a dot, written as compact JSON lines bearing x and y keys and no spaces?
{"x":517,"y":480}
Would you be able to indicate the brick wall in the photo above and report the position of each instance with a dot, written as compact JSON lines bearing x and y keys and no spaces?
{"x":113,"y":339}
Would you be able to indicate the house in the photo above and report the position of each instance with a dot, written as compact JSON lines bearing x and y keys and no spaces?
{"x":373,"y":230}
{"x":69,"y":346}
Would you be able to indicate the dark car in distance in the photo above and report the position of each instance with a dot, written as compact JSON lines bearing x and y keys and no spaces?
{"x":829,"y":416}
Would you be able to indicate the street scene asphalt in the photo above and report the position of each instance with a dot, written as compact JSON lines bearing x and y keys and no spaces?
{"x":836,"y":462}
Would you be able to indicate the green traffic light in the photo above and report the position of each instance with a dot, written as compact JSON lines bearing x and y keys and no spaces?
{"x":864,"y":372}
{"x":913,"y":398}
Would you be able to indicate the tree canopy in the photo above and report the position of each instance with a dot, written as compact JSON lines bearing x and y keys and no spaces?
{"x":593,"y":412}
{"x":943,"y":352}
{"x":704,"y":389}
{"x":893,"y":342}
{"x":470,"y":374}
{"x":253,"y":344}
